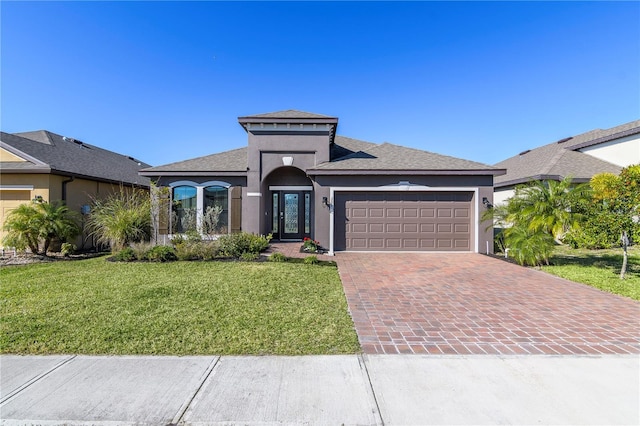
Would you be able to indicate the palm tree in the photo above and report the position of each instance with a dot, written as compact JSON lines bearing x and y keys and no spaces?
{"x":56,"y":222}
{"x":30,"y":224}
{"x":21,"y":227}
{"x":546,"y":206}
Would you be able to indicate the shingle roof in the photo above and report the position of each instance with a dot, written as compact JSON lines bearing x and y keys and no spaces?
{"x":561,"y":159}
{"x":228,"y":161}
{"x":347,"y":154}
{"x":290,"y":113}
{"x":47,"y":151}
{"x":388,"y":156}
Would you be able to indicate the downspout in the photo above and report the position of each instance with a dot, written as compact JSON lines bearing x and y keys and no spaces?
{"x":64,"y":188}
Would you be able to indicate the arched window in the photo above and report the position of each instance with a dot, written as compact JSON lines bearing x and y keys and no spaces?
{"x":215,"y":218}
{"x":184,"y":209}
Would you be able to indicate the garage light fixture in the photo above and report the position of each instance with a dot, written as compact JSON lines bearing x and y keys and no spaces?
{"x":486,"y":202}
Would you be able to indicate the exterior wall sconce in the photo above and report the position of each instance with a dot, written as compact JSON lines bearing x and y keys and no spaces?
{"x":325,"y":201}
{"x":38,"y":199}
{"x":486,"y":202}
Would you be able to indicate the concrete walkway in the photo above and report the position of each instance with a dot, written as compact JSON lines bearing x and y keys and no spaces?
{"x":322,"y":390}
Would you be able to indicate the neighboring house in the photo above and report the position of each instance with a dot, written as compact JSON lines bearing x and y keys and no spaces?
{"x":47,"y":166}
{"x":580,"y":157}
{"x":297,"y":178}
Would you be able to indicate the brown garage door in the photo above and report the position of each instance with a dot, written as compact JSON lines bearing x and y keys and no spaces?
{"x":419,"y":221}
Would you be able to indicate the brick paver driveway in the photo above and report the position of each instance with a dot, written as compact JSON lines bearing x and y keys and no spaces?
{"x":474,"y":304}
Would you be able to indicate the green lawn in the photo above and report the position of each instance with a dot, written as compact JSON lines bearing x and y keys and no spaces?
{"x":598,"y":268}
{"x":99,"y":307}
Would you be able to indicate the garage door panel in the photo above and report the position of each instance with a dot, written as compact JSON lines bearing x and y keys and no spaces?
{"x":428,"y":212}
{"x":464,"y":213}
{"x":359,"y":212}
{"x":393,"y":227}
{"x":376,"y":227}
{"x":409,"y":228}
{"x":392,"y":212}
{"x":359,"y":227}
{"x":405,"y":221}
{"x":461,"y":228}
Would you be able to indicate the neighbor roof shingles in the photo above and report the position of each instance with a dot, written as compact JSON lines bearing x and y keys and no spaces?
{"x":560,"y":160}
{"x":71,"y":158}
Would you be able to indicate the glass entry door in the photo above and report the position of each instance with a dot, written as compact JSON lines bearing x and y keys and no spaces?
{"x":291,"y":214}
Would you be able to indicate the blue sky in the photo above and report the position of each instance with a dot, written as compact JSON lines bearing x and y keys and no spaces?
{"x":166,"y":81}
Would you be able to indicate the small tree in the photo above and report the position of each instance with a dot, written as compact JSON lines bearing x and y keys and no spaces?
{"x":31,"y":225}
{"x":619,"y":196}
{"x":122,"y":218}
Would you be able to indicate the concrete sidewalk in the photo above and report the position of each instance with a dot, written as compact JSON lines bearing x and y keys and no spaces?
{"x":349,"y":389}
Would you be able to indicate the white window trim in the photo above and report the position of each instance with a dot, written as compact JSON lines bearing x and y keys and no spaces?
{"x":402,"y":187}
{"x":200,"y":197}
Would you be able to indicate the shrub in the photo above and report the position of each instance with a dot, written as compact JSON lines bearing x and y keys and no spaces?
{"x":68,"y":249}
{"x":122,"y":218}
{"x":233,"y":245}
{"x":140,"y":250}
{"x":197,"y":250}
{"x":125,"y":255}
{"x":161,"y":254}
{"x":248,"y":256}
{"x":529,"y":248}
{"x":311,"y":260}
{"x":278,"y":257}
{"x":310,"y":245}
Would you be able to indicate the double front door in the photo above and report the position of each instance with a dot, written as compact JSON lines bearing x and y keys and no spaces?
{"x":290,"y":214}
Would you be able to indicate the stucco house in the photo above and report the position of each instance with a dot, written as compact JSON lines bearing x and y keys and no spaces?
{"x":44,"y":165}
{"x":580,"y":157}
{"x":297,"y":178}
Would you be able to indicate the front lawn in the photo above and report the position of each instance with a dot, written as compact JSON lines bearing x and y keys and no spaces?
{"x":598,"y":268}
{"x":181,"y":308}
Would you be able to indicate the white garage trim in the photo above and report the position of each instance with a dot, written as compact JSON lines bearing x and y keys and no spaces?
{"x":402,"y":187}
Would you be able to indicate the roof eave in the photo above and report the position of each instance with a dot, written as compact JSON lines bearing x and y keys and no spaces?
{"x":528,"y":179}
{"x":30,"y":170}
{"x":604,"y":139}
{"x":427,"y":172}
{"x":155,"y":173}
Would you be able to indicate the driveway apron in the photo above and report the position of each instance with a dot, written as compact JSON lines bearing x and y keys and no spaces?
{"x":467,"y":303}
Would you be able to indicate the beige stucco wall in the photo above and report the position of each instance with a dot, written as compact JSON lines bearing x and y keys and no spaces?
{"x":12,"y":198}
{"x":6,"y":156}
{"x":79,"y":192}
{"x":622,"y":152}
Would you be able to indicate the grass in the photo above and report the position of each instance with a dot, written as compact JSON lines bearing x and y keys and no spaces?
{"x":599,"y":269}
{"x":99,"y":307}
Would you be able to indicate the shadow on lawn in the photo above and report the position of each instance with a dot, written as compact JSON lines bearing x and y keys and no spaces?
{"x":609,"y":261}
